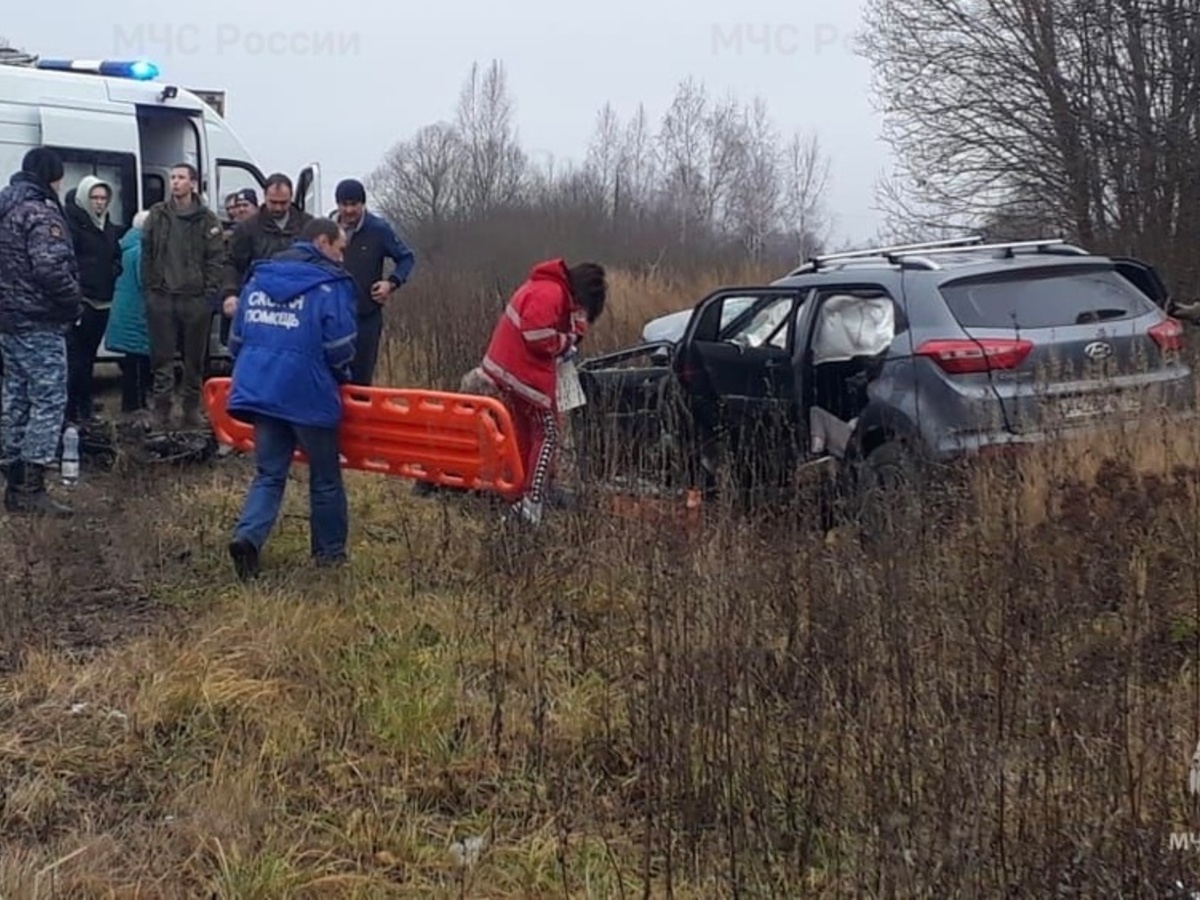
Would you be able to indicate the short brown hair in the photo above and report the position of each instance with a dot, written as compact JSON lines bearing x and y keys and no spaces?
{"x":192,"y":171}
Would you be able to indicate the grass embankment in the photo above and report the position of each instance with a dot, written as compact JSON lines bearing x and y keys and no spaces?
{"x":1002,"y":702}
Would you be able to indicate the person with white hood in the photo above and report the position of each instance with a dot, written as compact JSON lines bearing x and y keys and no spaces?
{"x":97,"y":249}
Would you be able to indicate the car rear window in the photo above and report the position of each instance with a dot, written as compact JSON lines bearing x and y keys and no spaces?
{"x":1044,"y":299}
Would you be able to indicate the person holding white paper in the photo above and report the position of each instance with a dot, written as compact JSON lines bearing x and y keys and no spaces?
{"x":541,"y":326}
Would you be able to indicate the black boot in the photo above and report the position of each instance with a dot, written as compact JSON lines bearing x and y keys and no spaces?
{"x":245,"y":559}
{"x":30,"y":496}
{"x":14,"y":473}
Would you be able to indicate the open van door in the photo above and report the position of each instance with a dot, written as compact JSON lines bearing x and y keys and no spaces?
{"x":88,"y":129}
{"x":308,"y":189}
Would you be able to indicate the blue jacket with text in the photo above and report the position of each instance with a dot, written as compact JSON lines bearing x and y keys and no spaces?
{"x":292,"y":339}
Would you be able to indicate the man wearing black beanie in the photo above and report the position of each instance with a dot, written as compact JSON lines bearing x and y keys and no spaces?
{"x":369,"y":241}
{"x":40,"y":300}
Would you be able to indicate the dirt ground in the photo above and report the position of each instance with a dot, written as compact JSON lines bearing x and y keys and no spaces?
{"x":80,"y":585}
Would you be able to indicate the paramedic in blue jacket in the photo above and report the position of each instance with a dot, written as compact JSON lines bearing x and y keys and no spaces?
{"x":369,"y":241}
{"x":292,"y":341}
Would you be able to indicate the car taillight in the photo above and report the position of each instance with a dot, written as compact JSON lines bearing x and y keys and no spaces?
{"x":1168,"y":334}
{"x":958,"y":357}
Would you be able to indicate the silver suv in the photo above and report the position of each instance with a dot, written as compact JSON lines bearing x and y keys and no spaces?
{"x":931,"y":350}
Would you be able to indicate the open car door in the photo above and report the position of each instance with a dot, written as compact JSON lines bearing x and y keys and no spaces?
{"x":736,"y":363}
{"x":629,"y":417}
{"x":308,"y":189}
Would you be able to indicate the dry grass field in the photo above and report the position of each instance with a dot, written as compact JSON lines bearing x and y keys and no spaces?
{"x":1002,"y":701}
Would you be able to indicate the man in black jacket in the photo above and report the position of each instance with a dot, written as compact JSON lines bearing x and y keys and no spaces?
{"x":369,"y":241}
{"x":270,"y":230}
{"x":98,"y":254}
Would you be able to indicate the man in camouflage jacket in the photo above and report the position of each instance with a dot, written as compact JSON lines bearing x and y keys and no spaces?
{"x":39,"y":301}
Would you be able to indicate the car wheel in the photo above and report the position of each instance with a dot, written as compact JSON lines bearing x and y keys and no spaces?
{"x":888,"y":492}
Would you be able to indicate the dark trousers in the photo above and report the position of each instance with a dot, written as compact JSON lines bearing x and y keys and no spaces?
{"x":275,"y":443}
{"x":83,"y":342}
{"x":170,"y":318}
{"x":366,"y":347}
{"x":136,"y":378}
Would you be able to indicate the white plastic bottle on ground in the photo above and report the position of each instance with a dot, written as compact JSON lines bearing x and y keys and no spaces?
{"x":70,"y":456}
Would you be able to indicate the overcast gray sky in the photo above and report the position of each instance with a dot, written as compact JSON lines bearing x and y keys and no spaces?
{"x":341,"y":82}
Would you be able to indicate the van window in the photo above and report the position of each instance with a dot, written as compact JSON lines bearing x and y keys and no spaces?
{"x":1044,"y":298}
{"x":118,"y":169}
{"x":169,"y":137}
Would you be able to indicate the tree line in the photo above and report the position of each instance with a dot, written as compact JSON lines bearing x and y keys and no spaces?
{"x":713,"y":180}
{"x":1036,"y":117}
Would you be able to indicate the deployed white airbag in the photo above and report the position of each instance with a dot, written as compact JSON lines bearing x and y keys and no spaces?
{"x":853,"y":326}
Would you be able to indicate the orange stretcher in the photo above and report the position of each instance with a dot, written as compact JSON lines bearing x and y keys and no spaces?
{"x":443,"y":438}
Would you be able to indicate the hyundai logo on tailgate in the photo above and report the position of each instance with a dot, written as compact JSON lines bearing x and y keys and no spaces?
{"x":1098,"y":350}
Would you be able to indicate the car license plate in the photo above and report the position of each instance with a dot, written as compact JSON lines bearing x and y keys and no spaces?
{"x":1090,"y":406}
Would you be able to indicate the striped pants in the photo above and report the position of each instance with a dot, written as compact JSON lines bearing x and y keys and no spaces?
{"x":537,"y":439}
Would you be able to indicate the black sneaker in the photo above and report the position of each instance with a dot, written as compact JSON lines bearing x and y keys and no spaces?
{"x":245,"y":558}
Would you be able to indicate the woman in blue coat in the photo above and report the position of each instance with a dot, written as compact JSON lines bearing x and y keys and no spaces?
{"x":127,"y":332}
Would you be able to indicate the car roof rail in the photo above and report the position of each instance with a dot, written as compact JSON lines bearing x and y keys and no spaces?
{"x":817,"y":262}
{"x":1009,"y":248}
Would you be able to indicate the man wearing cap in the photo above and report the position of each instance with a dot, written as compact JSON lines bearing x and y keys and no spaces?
{"x":239,"y":206}
{"x":369,"y":241}
{"x":40,"y":299}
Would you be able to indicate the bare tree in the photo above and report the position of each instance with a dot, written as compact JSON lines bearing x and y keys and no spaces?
{"x":493,"y":163}
{"x":606,"y":161}
{"x":682,"y":140}
{"x":641,"y":171}
{"x":805,"y":183}
{"x":713,"y":184}
{"x":419,"y":178}
{"x":724,"y":135}
{"x":757,"y":195}
{"x":1091,"y":107}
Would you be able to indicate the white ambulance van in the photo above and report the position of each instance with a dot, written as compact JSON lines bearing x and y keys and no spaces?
{"x":115,"y":119}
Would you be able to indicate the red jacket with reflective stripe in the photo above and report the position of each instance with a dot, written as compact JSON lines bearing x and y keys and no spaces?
{"x":539,"y":324}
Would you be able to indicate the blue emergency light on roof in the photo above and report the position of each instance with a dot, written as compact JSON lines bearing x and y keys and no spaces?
{"x":137,"y":69}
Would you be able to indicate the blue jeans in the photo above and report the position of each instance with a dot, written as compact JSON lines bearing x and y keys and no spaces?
{"x":34,"y":396}
{"x":275,"y":442}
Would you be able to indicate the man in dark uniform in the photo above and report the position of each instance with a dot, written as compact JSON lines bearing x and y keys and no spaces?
{"x":40,"y":299}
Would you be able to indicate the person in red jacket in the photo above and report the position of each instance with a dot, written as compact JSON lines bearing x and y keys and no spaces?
{"x":544,"y":321}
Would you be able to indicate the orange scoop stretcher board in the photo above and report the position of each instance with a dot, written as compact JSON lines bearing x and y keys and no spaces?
{"x":443,"y":438}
